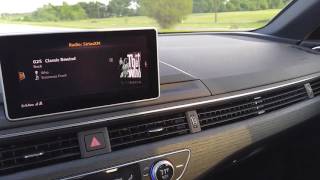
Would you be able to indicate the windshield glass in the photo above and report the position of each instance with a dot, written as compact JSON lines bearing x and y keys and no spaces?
{"x":165,"y":15}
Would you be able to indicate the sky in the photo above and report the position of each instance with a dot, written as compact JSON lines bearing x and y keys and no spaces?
{"x":21,"y":6}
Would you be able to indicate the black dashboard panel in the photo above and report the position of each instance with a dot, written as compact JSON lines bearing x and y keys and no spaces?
{"x":196,"y":71}
{"x":247,"y":62}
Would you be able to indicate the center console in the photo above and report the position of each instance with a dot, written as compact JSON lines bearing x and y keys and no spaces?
{"x":163,"y":167}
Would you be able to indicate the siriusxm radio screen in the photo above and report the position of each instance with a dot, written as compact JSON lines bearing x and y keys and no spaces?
{"x":54,"y":73}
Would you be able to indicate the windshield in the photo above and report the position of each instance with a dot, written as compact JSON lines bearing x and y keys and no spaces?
{"x":165,"y":15}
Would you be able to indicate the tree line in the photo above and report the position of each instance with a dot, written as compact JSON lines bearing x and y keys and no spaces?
{"x":118,"y":8}
{"x":206,"y":6}
{"x":166,"y":12}
{"x":82,"y":10}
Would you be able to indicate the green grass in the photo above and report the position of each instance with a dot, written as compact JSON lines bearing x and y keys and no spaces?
{"x":244,"y":20}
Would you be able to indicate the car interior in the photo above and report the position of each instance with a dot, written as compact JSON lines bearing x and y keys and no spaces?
{"x":139,"y":104}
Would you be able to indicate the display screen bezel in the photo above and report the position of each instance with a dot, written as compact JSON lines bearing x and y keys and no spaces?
{"x":7,"y":88}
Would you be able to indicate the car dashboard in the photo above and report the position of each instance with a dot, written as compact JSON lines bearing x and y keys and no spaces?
{"x":220,"y":93}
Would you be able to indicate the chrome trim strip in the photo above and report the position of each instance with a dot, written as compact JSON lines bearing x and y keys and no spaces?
{"x":133,"y":162}
{"x":112,"y":170}
{"x":33,"y":155}
{"x":156,"y":130}
{"x":85,"y":109}
{"x":316,"y":48}
{"x":155,"y":110}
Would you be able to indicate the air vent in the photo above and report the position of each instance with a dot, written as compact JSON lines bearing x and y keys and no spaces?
{"x":315,"y":85}
{"x":251,"y":106}
{"x":38,"y":152}
{"x":149,"y":130}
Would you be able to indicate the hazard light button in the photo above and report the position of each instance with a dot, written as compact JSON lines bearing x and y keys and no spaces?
{"x":94,"y":142}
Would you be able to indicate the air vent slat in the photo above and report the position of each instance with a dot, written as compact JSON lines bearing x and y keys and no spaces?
{"x":228,"y":114}
{"x":227,"y":109}
{"x":23,"y":148}
{"x":37,"y":152}
{"x":151,"y":123}
{"x":279,"y":100}
{"x":151,"y":138}
{"x":31,"y":164}
{"x":40,"y":151}
{"x":148,"y":130}
{"x":245,"y":108}
{"x":315,"y":85}
{"x":217,"y":122}
{"x":316,"y":88}
{"x":300,"y":91}
{"x":285,"y":104}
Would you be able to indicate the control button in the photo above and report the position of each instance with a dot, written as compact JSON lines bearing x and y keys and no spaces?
{"x":193,"y":121}
{"x":94,"y":141}
{"x":180,"y":161}
{"x":162,"y":170}
{"x":309,"y":90}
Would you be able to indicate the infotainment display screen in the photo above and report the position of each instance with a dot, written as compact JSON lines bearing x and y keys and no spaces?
{"x":47,"y":74}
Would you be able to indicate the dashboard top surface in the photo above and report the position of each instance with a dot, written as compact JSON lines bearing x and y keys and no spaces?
{"x":229,"y":63}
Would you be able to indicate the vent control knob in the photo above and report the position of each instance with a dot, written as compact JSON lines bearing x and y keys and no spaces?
{"x":162,"y":170}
